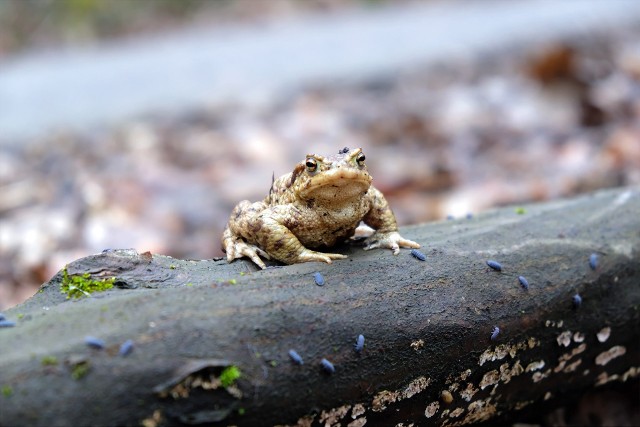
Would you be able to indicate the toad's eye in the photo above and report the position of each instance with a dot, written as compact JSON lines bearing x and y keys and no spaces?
{"x":360,"y":159}
{"x":311,"y":164}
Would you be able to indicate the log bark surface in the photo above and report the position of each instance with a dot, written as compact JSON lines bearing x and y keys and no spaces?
{"x":428,"y":356}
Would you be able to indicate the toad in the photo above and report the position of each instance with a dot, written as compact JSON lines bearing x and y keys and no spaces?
{"x":314,"y":207}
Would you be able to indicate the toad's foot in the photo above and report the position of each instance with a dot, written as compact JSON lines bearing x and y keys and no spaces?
{"x":308,"y":255}
{"x":239,"y":248}
{"x":392,"y":240}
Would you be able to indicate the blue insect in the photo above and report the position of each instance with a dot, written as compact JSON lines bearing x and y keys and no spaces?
{"x":297,"y":359}
{"x":524,"y":282}
{"x":593,"y":261}
{"x":126,"y":348}
{"x":327,"y":366}
{"x":94,"y":342}
{"x":318,"y":278}
{"x":418,"y":255}
{"x":7,"y":324}
{"x":494,"y":333}
{"x":359,"y":343}
{"x":577,"y":300}
{"x":495,"y":265}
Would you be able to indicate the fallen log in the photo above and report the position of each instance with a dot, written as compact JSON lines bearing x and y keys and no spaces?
{"x":448,"y":341}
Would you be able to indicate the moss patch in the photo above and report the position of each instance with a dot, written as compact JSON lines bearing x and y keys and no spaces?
{"x":229,"y":376}
{"x":80,"y":370}
{"x":49,"y":361}
{"x":78,"y":285}
{"x":7,"y":391}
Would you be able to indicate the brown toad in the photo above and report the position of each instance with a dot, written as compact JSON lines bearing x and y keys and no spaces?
{"x":316,"y":206}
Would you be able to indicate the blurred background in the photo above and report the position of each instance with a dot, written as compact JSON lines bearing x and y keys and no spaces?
{"x":141,"y":123}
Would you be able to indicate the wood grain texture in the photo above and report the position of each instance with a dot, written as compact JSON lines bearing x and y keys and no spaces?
{"x":428,"y":356}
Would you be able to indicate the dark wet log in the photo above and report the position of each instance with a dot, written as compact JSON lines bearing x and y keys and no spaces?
{"x":428,"y":356}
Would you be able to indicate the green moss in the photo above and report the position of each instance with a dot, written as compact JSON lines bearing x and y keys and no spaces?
{"x":520,"y":210}
{"x":80,"y":370}
{"x":172,"y":267}
{"x":232,"y":281}
{"x":78,"y":285}
{"x":241,"y":411}
{"x":229,"y":376}
{"x":189,"y":284}
{"x":7,"y":391}
{"x":49,"y":361}
{"x":20,"y":316}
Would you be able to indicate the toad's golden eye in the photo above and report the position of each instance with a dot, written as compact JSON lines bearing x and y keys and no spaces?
{"x":311,"y":164}
{"x":360,"y":159}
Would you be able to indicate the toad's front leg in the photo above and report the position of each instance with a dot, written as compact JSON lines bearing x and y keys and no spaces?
{"x":392,"y":240}
{"x":381,"y":218}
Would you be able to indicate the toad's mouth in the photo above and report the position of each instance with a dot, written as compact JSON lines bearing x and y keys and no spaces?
{"x":337,"y":184}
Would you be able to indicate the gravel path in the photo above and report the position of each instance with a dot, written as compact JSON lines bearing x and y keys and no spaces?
{"x":200,"y":67}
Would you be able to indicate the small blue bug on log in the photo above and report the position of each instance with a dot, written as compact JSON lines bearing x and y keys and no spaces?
{"x":524,"y":282}
{"x":593,"y":261}
{"x":7,"y":324}
{"x":94,"y":342}
{"x":295,"y":357}
{"x":418,"y":255}
{"x":495,"y":265}
{"x":327,"y":366}
{"x":126,"y":348}
{"x":494,"y":333}
{"x":318,"y":278}
{"x":577,"y":300}
{"x":359,"y":343}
